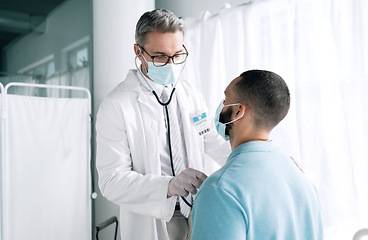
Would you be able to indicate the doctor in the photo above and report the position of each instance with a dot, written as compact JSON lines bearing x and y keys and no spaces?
{"x":153,"y":134}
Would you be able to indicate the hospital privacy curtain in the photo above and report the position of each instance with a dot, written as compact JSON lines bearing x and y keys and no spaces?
{"x":320,"y":48}
{"x":46,"y":169}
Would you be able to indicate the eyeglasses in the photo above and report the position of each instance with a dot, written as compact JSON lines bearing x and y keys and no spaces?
{"x":162,"y":60}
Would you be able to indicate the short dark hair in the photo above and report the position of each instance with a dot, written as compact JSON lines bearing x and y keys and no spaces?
{"x":266,"y":94}
{"x":158,"y":20}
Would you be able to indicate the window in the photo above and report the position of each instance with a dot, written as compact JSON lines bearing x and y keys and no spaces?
{"x":78,"y":57}
{"x":42,"y":71}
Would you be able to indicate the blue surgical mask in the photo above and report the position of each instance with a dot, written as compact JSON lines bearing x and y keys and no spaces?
{"x":165,"y":75}
{"x":221,"y":127}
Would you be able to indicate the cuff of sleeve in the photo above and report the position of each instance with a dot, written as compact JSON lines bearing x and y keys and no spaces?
{"x":169,"y":203}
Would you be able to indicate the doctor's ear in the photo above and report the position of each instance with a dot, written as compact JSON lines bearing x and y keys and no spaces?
{"x":137,"y":50}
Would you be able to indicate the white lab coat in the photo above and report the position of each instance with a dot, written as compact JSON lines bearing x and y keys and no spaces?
{"x":128,"y":161}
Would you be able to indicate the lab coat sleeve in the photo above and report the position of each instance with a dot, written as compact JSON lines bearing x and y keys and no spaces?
{"x":214,"y":145}
{"x":141,"y":194}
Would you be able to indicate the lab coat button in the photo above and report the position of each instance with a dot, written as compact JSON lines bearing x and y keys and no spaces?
{"x":153,"y":126}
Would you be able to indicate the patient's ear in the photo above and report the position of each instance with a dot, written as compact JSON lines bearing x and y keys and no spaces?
{"x":242,"y":108}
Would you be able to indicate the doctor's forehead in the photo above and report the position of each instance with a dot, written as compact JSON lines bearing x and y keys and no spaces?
{"x":169,"y":41}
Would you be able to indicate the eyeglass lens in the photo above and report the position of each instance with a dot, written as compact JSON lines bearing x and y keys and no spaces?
{"x":163,"y":60}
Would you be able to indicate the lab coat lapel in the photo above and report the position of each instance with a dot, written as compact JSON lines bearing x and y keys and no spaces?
{"x":144,"y":99}
{"x":150,"y":124}
{"x":190,"y":135}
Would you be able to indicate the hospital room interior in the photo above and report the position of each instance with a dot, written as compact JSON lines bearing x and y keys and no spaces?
{"x":59,"y":59}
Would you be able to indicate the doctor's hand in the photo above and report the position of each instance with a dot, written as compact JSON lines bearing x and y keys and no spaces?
{"x":186,"y":182}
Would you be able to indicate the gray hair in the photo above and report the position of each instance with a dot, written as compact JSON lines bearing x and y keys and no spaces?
{"x":158,"y":20}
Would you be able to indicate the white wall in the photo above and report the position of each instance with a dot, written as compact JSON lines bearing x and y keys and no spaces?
{"x":113,"y":39}
{"x":114,"y":28}
{"x":192,"y":8}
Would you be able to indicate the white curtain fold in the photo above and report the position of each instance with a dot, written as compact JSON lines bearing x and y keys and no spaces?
{"x":47,"y":169}
{"x":77,"y":78}
{"x":321,"y":50}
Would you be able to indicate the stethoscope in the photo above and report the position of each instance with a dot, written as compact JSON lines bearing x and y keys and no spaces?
{"x":167,"y":118}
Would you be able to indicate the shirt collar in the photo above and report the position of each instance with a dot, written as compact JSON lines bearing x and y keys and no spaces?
{"x":253,"y":146}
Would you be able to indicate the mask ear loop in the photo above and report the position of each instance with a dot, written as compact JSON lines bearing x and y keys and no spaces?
{"x":236,"y":119}
{"x":182,"y":70}
{"x":181,"y":73}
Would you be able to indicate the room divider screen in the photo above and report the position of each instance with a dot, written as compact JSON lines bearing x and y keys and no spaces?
{"x":45,"y":165}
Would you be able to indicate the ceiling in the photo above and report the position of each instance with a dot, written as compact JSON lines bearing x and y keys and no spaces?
{"x":19,"y":17}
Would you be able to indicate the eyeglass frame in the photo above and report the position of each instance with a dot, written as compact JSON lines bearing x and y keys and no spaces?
{"x":168,"y":57}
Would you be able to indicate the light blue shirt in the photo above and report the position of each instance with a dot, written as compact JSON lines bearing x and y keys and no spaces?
{"x":258,"y":194}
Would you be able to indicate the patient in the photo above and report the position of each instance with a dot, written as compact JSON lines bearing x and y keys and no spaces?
{"x":259,"y":193}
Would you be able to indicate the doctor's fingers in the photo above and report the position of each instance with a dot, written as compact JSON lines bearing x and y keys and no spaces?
{"x":193,"y":181}
{"x":188,"y":186}
{"x":195,"y":173}
{"x":180,"y":189}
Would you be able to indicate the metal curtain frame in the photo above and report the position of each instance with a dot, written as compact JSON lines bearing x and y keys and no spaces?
{"x":18,"y":84}
{"x":107,"y":223}
{"x":2,"y":155}
{"x":4,"y":91}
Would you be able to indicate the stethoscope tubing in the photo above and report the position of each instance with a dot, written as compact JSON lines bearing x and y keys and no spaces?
{"x":167,"y":118}
{"x":169,"y":138}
